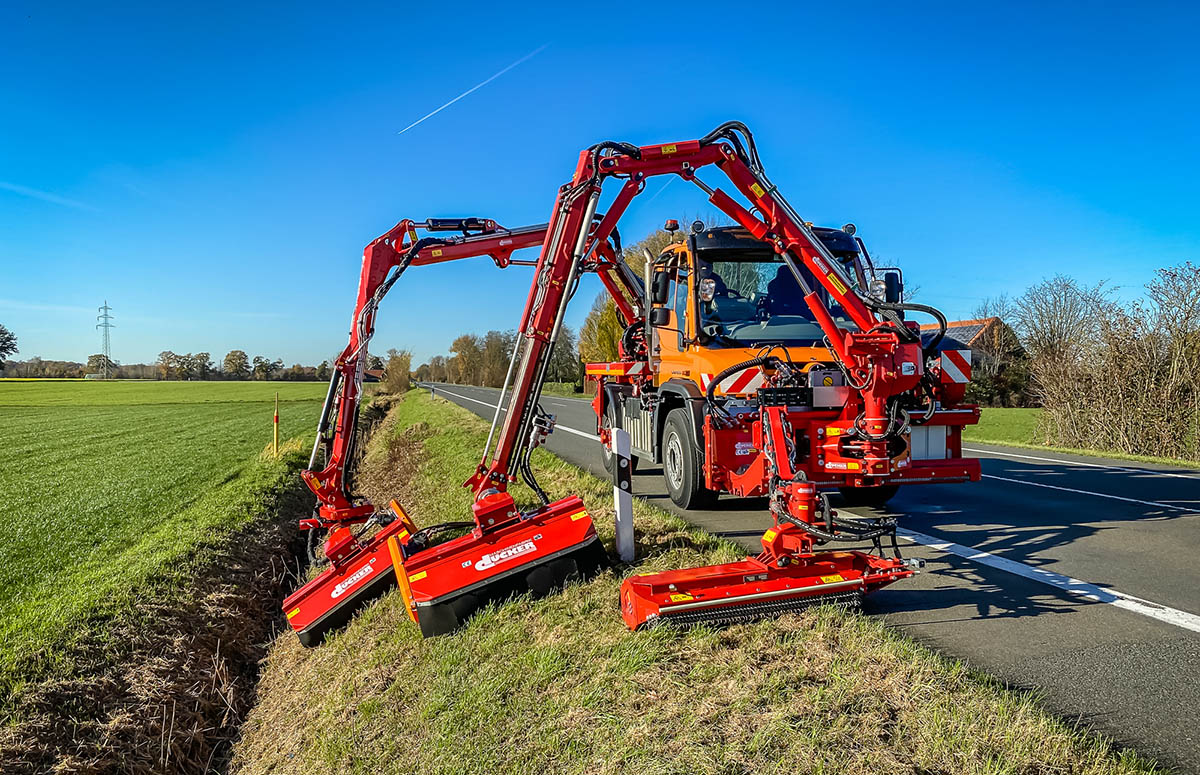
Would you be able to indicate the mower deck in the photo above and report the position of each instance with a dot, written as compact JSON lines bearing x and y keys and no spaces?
{"x":332,"y":598}
{"x":444,"y":584}
{"x":752,"y":589}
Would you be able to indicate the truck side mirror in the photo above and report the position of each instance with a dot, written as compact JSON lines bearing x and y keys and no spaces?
{"x":660,"y":289}
{"x":660,"y":316}
{"x":893,"y":288}
{"x":888,"y":286}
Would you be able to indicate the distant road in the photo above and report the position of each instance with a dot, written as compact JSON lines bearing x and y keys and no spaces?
{"x":1069,"y":574}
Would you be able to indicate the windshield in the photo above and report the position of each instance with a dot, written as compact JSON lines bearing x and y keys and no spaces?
{"x":756,"y":299}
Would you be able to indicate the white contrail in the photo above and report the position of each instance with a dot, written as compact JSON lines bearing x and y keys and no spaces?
{"x":670,"y":180}
{"x":45,"y":196}
{"x":479,"y":85}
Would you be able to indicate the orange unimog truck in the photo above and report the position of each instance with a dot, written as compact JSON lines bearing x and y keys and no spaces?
{"x":693,"y":360}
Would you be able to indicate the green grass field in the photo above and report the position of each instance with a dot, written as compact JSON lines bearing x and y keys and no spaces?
{"x":110,"y":484}
{"x":1004,"y":426}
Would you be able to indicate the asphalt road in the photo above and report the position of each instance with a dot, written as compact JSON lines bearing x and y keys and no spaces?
{"x":1071,"y":575}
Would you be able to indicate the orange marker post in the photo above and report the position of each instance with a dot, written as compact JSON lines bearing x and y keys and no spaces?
{"x":275,"y":440}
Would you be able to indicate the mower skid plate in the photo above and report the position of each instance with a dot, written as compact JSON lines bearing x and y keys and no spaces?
{"x":751,"y":589}
{"x":445,"y":584}
{"x":332,"y":598}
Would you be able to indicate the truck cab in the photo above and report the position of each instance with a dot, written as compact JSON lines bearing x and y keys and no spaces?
{"x":722,"y":297}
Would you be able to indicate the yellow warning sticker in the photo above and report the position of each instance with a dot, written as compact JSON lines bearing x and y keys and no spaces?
{"x":757,"y":189}
{"x":833,"y":430}
{"x":769,"y":535}
{"x":402,"y":534}
{"x":831,"y":579}
{"x":666,"y":149}
{"x":293,"y":612}
{"x":579,"y":515}
{"x":852,"y":466}
{"x":417,"y":576}
{"x":680,"y":597}
{"x":837,"y":283}
{"x":436,"y":252}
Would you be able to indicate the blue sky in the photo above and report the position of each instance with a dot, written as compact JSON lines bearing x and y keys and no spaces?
{"x":214,"y":171}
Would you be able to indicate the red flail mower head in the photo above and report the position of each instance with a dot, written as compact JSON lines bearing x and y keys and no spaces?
{"x":787,"y":575}
{"x":442,"y":585}
{"x":444,"y":582}
{"x":752,"y":589}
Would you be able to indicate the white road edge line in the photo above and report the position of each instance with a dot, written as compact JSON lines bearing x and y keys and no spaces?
{"x":1067,"y":584}
{"x":1156,"y":504}
{"x":1150,"y":471}
{"x":585,"y":435}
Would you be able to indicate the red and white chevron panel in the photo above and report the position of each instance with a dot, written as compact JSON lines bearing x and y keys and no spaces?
{"x":748,"y":381}
{"x":956,"y":366}
{"x":619,"y":369}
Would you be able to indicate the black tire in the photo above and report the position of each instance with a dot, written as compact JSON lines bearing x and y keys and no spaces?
{"x":610,"y":421}
{"x":868,"y":496}
{"x":682,"y":470}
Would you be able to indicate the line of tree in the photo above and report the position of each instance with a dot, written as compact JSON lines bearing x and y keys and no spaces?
{"x":483,"y":360}
{"x":236,"y":365}
{"x":1113,"y":375}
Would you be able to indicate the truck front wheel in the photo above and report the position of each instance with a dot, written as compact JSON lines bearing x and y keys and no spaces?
{"x":681,"y":464}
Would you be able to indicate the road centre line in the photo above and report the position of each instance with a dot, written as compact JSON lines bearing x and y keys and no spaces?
{"x":1072,"y":586}
{"x":1156,"y":504}
{"x":557,"y":427}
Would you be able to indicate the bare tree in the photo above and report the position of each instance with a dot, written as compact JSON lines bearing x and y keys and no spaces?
{"x":1112,"y":376}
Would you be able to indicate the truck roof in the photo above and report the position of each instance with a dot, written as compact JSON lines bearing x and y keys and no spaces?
{"x":738,"y":238}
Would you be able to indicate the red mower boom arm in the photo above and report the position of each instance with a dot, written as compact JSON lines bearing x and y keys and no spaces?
{"x":384,"y":261}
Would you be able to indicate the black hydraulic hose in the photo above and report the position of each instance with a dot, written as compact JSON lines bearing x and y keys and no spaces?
{"x":934,"y":312}
{"x":729,"y":131}
{"x":850,"y":536}
{"x":420,"y":539}
{"x":710,"y":394}
{"x":526,"y":469}
{"x":631,"y":331}
{"x":932,"y":406}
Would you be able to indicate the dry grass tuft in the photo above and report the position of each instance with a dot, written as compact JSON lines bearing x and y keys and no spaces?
{"x":559,"y":686}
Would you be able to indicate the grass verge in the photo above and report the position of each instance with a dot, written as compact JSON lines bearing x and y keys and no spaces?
{"x":1018,"y":428}
{"x":559,"y":686}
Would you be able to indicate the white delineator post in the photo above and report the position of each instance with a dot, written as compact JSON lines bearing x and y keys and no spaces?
{"x":623,"y":494}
